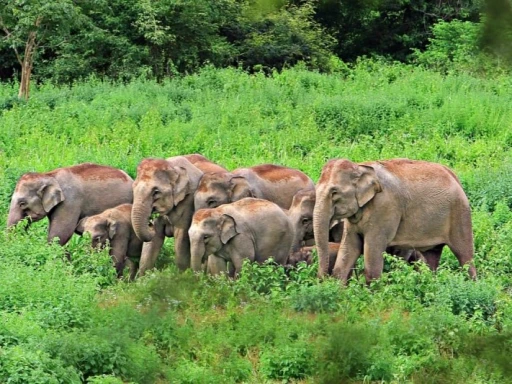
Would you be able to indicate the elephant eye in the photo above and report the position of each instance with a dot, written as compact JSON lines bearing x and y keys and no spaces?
{"x":22,"y":204}
{"x":206,"y":237}
{"x":156,"y":192}
{"x":211,"y":202}
{"x":306,"y":220}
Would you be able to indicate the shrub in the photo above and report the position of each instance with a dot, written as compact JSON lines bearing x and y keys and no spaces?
{"x":347,"y":353}
{"x":455,"y":47}
{"x":469,"y":297}
{"x":21,"y":365}
{"x":323,"y":297}
{"x":287,"y":362}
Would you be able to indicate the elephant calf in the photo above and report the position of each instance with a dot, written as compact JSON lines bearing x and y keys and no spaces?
{"x":65,"y":195}
{"x":115,"y":226}
{"x":253,"y":229}
{"x":305,"y":254}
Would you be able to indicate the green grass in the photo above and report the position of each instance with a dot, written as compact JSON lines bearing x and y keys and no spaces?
{"x":72,"y":322}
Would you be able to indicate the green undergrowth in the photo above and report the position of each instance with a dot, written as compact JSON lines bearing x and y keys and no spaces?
{"x":65,"y":318}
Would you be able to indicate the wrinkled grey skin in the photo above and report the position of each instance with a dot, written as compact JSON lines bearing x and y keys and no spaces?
{"x":166,"y":187}
{"x":397,"y":203}
{"x":267,"y":181}
{"x":301,"y":216}
{"x":66,"y":195}
{"x":114,"y":226}
{"x":253,"y":229}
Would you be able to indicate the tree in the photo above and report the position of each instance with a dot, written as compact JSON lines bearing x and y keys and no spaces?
{"x":30,"y":26}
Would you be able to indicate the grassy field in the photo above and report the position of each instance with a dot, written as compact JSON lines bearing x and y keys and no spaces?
{"x":67,"y":322}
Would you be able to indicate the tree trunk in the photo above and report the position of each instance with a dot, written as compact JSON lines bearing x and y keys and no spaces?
{"x":26,"y":66}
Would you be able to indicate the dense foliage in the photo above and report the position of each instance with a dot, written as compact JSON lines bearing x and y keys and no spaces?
{"x":71,"y":321}
{"x":71,"y":40}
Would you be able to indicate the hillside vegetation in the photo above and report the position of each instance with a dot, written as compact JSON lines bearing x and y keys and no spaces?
{"x":72,"y":321}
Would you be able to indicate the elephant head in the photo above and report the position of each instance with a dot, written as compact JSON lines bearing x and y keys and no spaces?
{"x":102,"y":228}
{"x":34,"y":197}
{"x":301,"y":216}
{"x":216,"y":189}
{"x":209,"y":232}
{"x":162,"y":186}
{"x":343,"y":190}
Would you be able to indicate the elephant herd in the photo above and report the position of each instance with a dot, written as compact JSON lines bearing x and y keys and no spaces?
{"x":219,"y":218}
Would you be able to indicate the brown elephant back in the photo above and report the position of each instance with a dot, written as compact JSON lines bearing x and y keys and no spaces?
{"x":204,"y":164}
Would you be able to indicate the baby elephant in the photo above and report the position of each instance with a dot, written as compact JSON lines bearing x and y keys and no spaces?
{"x":306,"y":254}
{"x":250,"y":228}
{"x":115,"y":225}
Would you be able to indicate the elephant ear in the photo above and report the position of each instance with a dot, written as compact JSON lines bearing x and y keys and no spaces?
{"x":240,"y":188}
{"x":113,"y":226}
{"x":80,"y":227}
{"x":227,"y":228}
{"x":367,"y":185}
{"x":51,"y":195}
{"x":180,"y":182}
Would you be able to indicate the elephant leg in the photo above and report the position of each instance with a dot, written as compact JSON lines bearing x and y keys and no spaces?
{"x":464,"y":253}
{"x":150,"y":253}
{"x":133,"y":268}
{"x":182,"y":248}
{"x":432,"y":257}
{"x":240,"y":248}
{"x":216,"y":265}
{"x":373,"y":258}
{"x":62,"y":224}
{"x":118,"y":251}
{"x":350,"y":249}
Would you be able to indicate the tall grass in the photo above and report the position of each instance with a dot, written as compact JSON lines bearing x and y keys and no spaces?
{"x":73,"y":322}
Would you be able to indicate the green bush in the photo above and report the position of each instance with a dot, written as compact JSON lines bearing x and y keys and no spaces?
{"x":323,"y":297}
{"x":469,"y":298}
{"x":348,"y":352}
{"x":20,"y":365}
{"x":455,"y":47}
{"x":287,"y":362}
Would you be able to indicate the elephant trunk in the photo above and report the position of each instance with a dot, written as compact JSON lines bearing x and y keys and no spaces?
{"x":119,"y":264}
{"x":197,"y":251}
{"x":321,"y":220}
{"x":141,"y":213}
{"x":298,"y":237}
{"x":15,"y":215}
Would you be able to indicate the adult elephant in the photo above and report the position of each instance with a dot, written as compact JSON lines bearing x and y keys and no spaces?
{"x":114,"y":226}
{"x":267,"y":181}
{"x":66,"y":195}
{"x":166,"y":187}
{"x":398,"y":203}
{"x":253,"y":229}
{"x":161,"y":225}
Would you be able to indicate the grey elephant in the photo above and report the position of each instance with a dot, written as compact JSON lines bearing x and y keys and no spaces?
{"x":399,"y":203}
{"x":267,"y":181}
{"x":161,"y":224}
{"x":65,"y":195}
{"x":114,"y":226}
{"x":250,"y":228}
{"x":166,"y":187}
